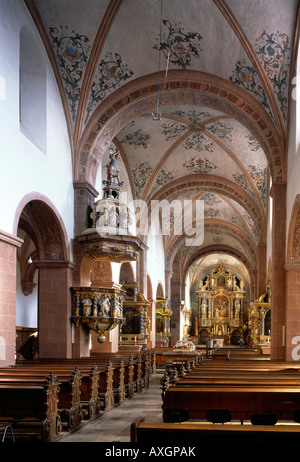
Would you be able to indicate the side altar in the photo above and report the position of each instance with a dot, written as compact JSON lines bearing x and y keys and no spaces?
{"x":220,"y":309}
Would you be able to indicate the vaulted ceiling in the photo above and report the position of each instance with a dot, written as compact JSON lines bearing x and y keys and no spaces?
{"x":195,"y":94}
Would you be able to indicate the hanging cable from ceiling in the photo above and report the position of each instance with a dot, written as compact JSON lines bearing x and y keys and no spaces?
{"x":157,"y":116}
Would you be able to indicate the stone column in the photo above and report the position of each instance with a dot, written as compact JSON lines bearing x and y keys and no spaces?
{"x":278,"y":307}
{"x":292,"y":320}
{"x":141,"y":270}
{"x":55,"y":327}
{"x":8,"y":264}
{"x":84,"y":199}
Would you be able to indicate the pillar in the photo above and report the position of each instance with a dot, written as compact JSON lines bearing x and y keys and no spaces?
{"x":55,"y":327}
{"x":8,"y":265}
{"x":84,"y":199}
{"x":292,"y":319}
{"x":278,"y":307}
{"x":142,"y":271}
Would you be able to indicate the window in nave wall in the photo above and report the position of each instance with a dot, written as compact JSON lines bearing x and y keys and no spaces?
{"x":32,"y":90}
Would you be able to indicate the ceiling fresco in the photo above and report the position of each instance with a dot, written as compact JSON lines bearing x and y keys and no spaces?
{"x":184,"y":150}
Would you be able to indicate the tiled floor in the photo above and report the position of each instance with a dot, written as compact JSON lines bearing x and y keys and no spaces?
{"x":114,"y":425}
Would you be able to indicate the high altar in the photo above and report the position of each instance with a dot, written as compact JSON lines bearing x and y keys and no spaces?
{"x":220,"y":309}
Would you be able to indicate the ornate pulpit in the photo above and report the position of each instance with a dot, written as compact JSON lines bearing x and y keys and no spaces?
{"x":101,"y":308}
{"x":98,"y":308}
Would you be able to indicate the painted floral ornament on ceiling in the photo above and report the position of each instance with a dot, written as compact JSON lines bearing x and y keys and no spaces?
{"x":177,"y":46}
{"x":211,"y":213}
{"x":253,"y":143}
{"x":210,"y":199}
{"x":199,"y":142}
{"x":163,"y":177}
{"x":274,"y":53}
{"x":71,"y":51}
{"x":221,"y":130}
{"x":259,"y":176}
{"x":193,"y":116}
{"x":246,"y":77}
{"x":199,"y":165}
{"x":173,"y":130}
{"x":110,"y":73}
{"x":141,"y":173}
{"x":137,"y":139}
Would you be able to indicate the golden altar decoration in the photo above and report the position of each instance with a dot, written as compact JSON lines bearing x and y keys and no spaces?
{"x":163,"y":322}
{"x":134,"y":330}
{"x":220,"y":309}
{"x":257,"y":318}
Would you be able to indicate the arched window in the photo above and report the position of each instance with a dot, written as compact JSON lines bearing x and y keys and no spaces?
{"x":33,"y":88}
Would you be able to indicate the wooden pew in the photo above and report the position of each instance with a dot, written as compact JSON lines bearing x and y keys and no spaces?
{"x":244,"y":387}
{"x":31,"y":406}
{"x":69,"y":391}
{"x":98,"y":392}
{"x":207,"y":435}
{"x":242,"y":401}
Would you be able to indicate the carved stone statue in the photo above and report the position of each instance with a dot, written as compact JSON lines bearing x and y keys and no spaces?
{"x":112,"y":168}
{"x":86,"y":302}
{"x":104,"y":306}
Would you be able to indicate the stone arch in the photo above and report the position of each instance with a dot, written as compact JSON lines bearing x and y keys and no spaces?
{"x":149,"y":288}
{"x":220,"y":185}
{"x":224,"y":227}
{"x":159,"y":290}
{"x":181,"y":87}
{"x":38,"y":218}
{"x":216,"y":249}
{"x":48,"y":229}
{"x":126,"y":273}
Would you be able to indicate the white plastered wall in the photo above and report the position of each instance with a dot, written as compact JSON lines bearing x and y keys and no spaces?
{"x":293,"y":167}
{"x":25,"y":168}
{"x":28,"y":166}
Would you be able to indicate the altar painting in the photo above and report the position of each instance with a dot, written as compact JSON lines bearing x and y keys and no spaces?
{"x":221,"y":306}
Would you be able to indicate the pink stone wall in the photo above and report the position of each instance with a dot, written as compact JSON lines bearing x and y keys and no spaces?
{"x":8,"y":254}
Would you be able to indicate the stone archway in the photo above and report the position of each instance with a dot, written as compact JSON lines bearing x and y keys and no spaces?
{"x":181,"y":87}
{"x":37,"y":218}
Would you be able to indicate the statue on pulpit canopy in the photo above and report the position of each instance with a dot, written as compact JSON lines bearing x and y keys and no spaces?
{"x":112,"y":168}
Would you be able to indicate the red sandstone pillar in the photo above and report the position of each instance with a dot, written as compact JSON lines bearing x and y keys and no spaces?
{"x":8,"y":247}
{"x":278,"y":307}
{"x":292,"y":321}
{"x":55,"y":280}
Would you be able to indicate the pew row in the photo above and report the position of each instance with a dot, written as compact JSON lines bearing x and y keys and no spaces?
{"x":206,"y":434}
{"x":30,"y":406}
{"x":242,"y":401}
{"x":87,"y":386}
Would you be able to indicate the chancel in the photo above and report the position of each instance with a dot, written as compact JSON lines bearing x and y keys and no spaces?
{"x":150,"y":221}
{"x":221,"y":310}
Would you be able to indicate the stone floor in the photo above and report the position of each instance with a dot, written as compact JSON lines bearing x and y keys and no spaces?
{"x":114,"y":425}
